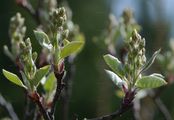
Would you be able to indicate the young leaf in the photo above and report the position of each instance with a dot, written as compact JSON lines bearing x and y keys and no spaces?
{"x":43,"y":39}
{"x":116,"y":79}
{"x":151,"y":60}
{"x":13,"y":78}
{"x":151,"y":81}
{"x":49,"y":84}
{"x":39,"y":75}
{"x":71,"y":48}
{"x":65,"y":42}
{"x":25,"y":80}
{"x":157,"y":75}
{"x":113,"y":63}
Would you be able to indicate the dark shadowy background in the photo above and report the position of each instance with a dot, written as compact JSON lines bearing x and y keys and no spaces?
{"x":93,"y":94}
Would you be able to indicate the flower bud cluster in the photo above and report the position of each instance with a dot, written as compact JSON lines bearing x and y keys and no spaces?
{"x":128,"y":24}
{"x":28,"y":58}
{"x":17,"y":33}
{"x":136,"y":52}
{"x":127,"y":16}
{"x":58,"y":17}
{"x":17,"y":29}
{"x":65,"y":34}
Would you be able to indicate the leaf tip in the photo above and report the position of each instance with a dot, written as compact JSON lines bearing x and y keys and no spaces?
{"x":4,"y":72}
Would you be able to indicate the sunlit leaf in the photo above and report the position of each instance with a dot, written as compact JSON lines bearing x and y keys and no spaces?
{"x":114,"y":64}
{"x":71,"y":48}
{"x":25,"y":80}
{"x":34,"y":56}
{"x":43,"y":39}
{"x":39,"y":75}
{"x":116,"y":79}
{"x":151,"y":81}
{"x":13,"y":78}
{"x":157,"y":75}
{"x":79,"y":37}
{"x":65,"y":42}
{"x":49,"y":84}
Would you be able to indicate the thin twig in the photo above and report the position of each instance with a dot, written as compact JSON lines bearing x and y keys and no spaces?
{"x":8,"y":107}
{"x":35,"y":115}
{"x":37,"y":99}
{"x":125,"y":106}
{"x":59,"y":88}
{"x":37,"y":12}
{"x":43,"y":111}
{"x":155,"y":95}
{"x":163,"y":109}
{"x":28,"y":7}
{"x":137,"y":108}
{"x":68,"y":88}
{"x":116,"y":114}
{"x":27,"y":107}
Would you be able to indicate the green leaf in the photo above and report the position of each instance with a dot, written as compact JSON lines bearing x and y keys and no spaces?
{"x":49,"y":84}
{"x":13,"y":78}
{"x":34,"y":56}
{"x":157,"y":75}
{"x":65,"y":42}
{"x":39,"y":75}
{"x":25,"y":80}
{"x":152,"y":81}
{"x":116,"y":79}
{"x":43,"y":39}
{"x":79,"y":37}
{"x":71,"y":48}
{"x":150,"y":62}
{"x":114,"y":64}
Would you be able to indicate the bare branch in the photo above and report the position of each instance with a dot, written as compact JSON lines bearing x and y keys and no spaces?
{"x":163,"y":109}
{"x":8,"y":107}
{"x":37,"y":99}
{"x":116,"y":114}
{"x":28,"y":7}
{"x":59,"y":88}
{"x":125,"y":106}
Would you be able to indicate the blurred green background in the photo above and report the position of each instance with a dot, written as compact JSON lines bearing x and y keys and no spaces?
{"x":92,"y":94}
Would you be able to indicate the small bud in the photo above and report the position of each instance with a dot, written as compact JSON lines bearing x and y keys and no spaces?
{"x":17,"y":29}
{"x":62,"y":11}
{"x":22,"y":45}
{"x":28,"y":42}
{"x":5,"y":48}
{"x":127,"y":15}
{"x":34,"y":56}
{"x":125,"y":88}
{"x":61,"y":66}
{"x":34,"y":96}
{"x":135,"y":35}
{"x":144,"y":59}
{"x":65,"y":34}
{"x":58,"y":17}
{"x":61,"y":21}
{"x":23,"y":30}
